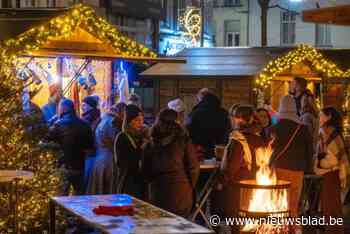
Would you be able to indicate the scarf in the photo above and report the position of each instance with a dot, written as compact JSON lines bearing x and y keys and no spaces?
{"x":238,"y":136}
{"x":136,"y":138}
{"x":91,"y":115}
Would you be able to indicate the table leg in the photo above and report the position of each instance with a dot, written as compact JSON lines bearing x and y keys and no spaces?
{"x":52,"y":217}
{"x":15,"y":211}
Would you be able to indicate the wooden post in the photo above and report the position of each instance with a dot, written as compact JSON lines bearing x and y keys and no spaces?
{"x":202,"y":22}
{"x":52,"y":217}
{"x":155,"y":35}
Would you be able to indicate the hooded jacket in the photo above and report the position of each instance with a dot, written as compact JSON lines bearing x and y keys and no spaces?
{"x":208,"y":124}
{"x":170,"y":162}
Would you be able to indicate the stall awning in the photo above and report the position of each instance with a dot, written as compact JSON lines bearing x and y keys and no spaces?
{"x":167,"y":70}
{"x":339,"y":15}
{"x":231,"y":62}
{"x":215,"y":63}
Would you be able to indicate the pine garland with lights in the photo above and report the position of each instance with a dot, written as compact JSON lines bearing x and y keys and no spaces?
{"x":347,"y":74}
{"x":302,"y":53}
{"x":19,"y":148}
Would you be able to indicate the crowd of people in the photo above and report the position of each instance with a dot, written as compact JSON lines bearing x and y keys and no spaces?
{"x":116,"y":152}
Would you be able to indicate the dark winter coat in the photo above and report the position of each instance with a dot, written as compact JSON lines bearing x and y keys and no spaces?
{"x":299,"y":155}
{"x":208,"y":124}
{"x":172,"y":168}
{"x":93,"y":118}
{"x":75,"y":138}
{"x":128,"y":159}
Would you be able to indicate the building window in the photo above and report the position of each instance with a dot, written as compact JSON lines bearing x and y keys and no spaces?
{"x":232,"y":39}
{"x":323,"y":35}
{"x":232,"y":2}
{"x":288,"y":27}
{"x":232,"y":33}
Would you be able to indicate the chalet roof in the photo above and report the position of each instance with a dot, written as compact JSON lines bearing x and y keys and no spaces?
{"x":232,"y":62}
{"x":74,"y":31}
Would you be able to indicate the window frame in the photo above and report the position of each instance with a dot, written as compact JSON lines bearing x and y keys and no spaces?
{"x":288,"y":21}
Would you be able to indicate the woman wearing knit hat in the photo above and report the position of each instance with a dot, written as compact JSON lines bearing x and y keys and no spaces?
{"x":292,"y":149}
{"x":90,"y":111}
{"x":91,"y":114}
{"x":128,"y":150}
{"x":101,"y":181}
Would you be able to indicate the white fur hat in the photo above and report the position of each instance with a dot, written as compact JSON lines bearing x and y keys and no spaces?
{"x":288,"y":109}
{"x":177,"y":105}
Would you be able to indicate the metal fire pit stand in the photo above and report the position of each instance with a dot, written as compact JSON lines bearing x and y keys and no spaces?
{"x":204,"y":195}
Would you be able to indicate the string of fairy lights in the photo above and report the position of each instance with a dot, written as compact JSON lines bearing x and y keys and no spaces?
{"x":19,"y":152}
{"x":302,"y":53}
{"x":18,"y":148}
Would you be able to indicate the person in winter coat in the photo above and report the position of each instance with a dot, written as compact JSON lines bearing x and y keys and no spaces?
{"x":103,"y":174}
{"x":309,"y":117}
{"x":170,"y":163}
{"x":333,"y":165}
{"x":238,"y":163}
{"x":49,"y":110}
{"x":76,"y":140}
{"x":265,"y":121}
{"x":208,"y":124}
{"x":128,"y":153}
{"x":299,"y":153}
{"x":298,"y":88}
{"x":292,"y":147}
{"x":91,"y":114}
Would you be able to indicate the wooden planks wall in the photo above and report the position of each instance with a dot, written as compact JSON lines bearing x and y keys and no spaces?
{"x":230,"y":91}
{"x":236,"y":91}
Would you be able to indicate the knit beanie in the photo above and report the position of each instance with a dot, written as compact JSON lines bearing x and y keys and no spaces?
{"x":91,"y":101}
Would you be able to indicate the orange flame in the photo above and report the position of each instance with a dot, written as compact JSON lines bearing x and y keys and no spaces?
{"x":266,"y":200}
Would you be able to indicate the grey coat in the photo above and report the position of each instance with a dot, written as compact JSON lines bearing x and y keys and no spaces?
{"x":101,"y":181}
{"x":312,"y":124}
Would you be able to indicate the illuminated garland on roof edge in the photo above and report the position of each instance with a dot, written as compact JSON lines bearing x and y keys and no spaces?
{"x":302,"y":53}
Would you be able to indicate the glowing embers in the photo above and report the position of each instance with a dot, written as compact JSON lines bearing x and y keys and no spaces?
{"x":263,"y":198}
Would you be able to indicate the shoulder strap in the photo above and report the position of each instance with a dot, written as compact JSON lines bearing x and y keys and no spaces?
{"x":133,"y":143}
{"x":331,"y":138}
{"x":289,"y":142}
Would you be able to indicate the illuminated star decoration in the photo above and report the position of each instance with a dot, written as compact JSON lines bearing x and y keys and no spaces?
{"x":192,"y":23}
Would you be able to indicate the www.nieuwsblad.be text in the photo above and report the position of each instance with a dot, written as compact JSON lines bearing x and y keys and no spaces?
{"x":215,"y":220}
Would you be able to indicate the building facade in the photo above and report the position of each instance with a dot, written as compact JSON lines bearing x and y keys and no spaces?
{"x":230,"y":22}
{"x":238,"y":23}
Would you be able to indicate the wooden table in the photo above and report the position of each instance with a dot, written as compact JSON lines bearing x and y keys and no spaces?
{"x":147,"y":219}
